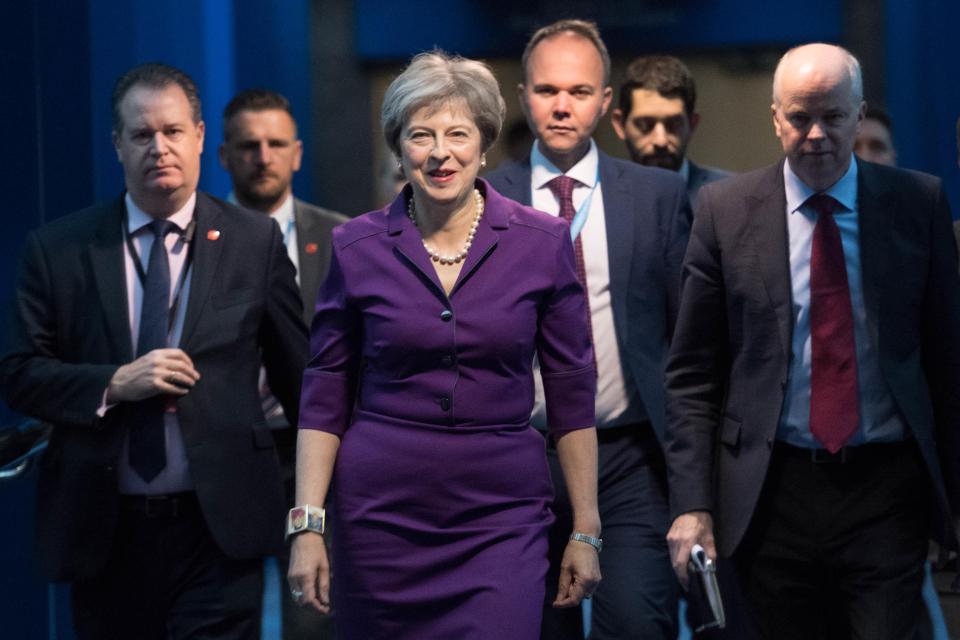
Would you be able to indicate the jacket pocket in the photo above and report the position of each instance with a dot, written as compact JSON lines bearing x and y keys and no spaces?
{"x":730,"y":431}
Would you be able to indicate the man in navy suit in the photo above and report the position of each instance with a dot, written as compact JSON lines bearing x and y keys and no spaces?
{"x":657,"y":116}
{"x":631,"y":224}
{"x":138,"y":331}
{"x":812,"y":383}
{"x":261,"y":151}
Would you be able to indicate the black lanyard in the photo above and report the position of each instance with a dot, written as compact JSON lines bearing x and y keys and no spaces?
{"x":186,"y":236}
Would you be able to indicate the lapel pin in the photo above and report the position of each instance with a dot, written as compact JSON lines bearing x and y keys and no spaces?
{"x":310,"y":247}
{"x":213,"y":234}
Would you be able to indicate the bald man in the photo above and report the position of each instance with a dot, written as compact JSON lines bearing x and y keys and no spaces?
{"x":812,"y":380}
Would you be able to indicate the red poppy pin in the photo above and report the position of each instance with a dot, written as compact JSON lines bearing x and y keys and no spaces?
{"x":311,"y":247}
{"x":213,"y":234}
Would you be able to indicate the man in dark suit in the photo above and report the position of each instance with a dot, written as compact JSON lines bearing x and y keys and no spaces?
{"x":261,"y":151}
{"x":656,"y":118}
{"x":137,"y":331}
{"x":812,"y":381}
{"x":631,"y":224}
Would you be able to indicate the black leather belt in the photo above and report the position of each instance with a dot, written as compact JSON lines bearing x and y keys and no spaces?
{"x":172,"y":505}
{"x":870,"y":450}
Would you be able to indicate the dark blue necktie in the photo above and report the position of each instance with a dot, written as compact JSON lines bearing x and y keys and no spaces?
{"x":147,"y":451}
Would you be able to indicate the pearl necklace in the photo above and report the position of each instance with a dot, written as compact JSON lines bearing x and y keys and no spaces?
{"x":460,"y":255}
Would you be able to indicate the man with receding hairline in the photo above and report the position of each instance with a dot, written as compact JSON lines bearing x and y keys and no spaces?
{"x":630,"y":225}
{"x":138,"y":330}
{"x":262,"y":151}
{"x":811,"y":385}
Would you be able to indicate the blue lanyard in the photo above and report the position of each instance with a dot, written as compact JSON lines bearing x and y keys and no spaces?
{"x":580,"y":219}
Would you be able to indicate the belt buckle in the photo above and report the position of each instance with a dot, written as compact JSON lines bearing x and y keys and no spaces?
{"x":160,"y":506}
{"x":822,"y":456}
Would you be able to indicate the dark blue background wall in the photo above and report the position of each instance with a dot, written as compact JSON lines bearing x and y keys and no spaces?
{"x":59,"y":61}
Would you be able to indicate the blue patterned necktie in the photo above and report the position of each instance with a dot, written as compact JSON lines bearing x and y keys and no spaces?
{"x":147,"y":451}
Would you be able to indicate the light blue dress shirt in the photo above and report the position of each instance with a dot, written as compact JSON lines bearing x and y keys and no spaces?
{"x":880,"y":421}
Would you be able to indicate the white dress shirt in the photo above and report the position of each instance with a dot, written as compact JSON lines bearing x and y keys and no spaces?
{"x":175,"y":476}
{"x":617,"y":402}
{"x":880,"y":421}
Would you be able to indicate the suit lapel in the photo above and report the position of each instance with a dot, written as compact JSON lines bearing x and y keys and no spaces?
{"x":766,"y":212}
{"x":109,"y":271}
{"x":875,"y":212}
{"x":208,"y":239}
{"x":309,"y":261}
{"x":516,"y":183}
{"x":618,"y":213}
{"x":494,"y":217}
{"x":408,"y":245}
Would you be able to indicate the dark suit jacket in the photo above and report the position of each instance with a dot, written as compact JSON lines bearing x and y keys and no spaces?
{"x":314,"y":246}
{"x":648,"y":221}
{"x":699,"y":177}
{"x":314,"y":231}
{"x":730,"y":356}
{"x":70,"y":332}
{"x":956,"y":232}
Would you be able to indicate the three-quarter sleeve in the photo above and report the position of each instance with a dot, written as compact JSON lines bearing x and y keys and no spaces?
{"x":564,"y":349}
{"x":329,"y":380}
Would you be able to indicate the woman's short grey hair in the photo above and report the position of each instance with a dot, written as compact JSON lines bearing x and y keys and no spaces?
{"x":436,"y":79}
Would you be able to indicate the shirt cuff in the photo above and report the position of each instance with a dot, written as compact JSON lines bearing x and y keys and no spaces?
{"x":104,"y":406}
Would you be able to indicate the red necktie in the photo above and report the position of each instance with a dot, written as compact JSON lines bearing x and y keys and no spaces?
{"x":834,"y":406}
{"x":562,"y":188}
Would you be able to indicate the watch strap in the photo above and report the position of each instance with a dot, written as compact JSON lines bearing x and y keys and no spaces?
{"x":306,"y":518}
{"x":596,"y":543}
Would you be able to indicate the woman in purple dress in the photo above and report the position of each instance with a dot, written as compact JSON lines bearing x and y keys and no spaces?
{"x":416,"y":404}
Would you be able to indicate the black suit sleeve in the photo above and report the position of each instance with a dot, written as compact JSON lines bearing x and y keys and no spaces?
{"x":696,"y":372}
{"x":34,"y":379}
{"x":941,"y":345}
{"x":677,"y":236}
{"x":283,"y":335}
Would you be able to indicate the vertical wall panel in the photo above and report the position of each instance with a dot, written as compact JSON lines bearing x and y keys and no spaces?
{"x":923,"y":94}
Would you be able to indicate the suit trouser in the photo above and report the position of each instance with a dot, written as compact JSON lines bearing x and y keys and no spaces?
{"x":637,"y":597}
{"x":836,"y":549}
{"x":166,"y":578}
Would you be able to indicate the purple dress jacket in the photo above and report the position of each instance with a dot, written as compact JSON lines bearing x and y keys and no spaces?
{"x":441,"y":489}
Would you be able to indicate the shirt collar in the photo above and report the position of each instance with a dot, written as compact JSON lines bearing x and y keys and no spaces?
{"x":137,"y":218}
{"x":543,"y":171}
{"x":284,"y":213}
{"x":843,"y":190}
{"x":684,"y":171}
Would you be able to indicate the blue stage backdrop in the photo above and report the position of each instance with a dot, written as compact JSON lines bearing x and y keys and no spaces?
{"x":60,"y":60}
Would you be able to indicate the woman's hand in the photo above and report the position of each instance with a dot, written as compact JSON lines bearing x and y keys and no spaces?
{"x":579,"y":574}
{"x":309,"y":572}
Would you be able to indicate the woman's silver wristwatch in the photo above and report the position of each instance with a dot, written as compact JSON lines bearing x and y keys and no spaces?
{"x":596,"y":543}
